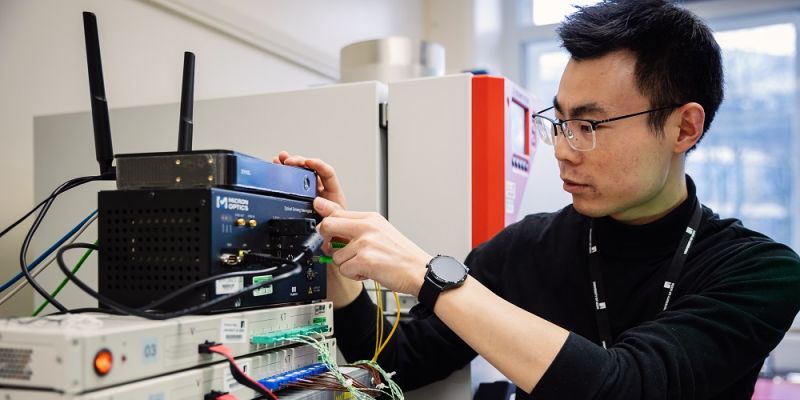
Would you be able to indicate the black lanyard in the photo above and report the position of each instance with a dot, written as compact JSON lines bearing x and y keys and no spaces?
{"x":674,"y":272}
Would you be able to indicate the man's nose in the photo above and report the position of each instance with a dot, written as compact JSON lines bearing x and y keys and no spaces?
{"x":564,"y":152}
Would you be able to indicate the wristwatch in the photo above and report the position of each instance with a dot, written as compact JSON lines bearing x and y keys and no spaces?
{"x":444,"y":273}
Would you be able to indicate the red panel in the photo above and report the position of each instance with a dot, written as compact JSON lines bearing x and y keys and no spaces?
{"x":488,"y":153}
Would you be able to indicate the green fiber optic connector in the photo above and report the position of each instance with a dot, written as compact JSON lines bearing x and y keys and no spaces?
{"x":338,"y":245}
{"x":322,"y":259}
{"x":319,"y":320}
{"x":274,"y":337}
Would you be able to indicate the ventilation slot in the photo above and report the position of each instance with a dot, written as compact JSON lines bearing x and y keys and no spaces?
{"x":14,"y":363}
{"x":152,"y":251}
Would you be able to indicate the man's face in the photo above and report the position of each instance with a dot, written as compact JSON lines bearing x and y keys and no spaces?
{"x":625,"y":176}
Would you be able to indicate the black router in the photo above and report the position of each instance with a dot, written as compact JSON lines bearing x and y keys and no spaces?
{"x":184,"y":216}
{"x":184,"y":168}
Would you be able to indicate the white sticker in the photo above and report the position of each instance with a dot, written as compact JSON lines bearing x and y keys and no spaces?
{"x":511,"y":190}
{"x":229,"y":383}
{"x":230,"y":285}
{"x":511,"y":194}
{"x":233,"y":331}
{"x":149,"y":350}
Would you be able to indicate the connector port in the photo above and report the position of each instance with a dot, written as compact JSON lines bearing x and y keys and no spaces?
{"x":232,"y":257}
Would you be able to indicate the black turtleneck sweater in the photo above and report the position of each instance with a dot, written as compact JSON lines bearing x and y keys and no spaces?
{"x":736,"y":297}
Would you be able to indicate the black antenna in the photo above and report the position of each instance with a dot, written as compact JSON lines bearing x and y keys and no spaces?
{"x":187,"y":100}
{"x":102,"y":128}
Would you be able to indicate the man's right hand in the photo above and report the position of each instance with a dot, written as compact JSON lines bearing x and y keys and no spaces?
{"x":341,"y":290}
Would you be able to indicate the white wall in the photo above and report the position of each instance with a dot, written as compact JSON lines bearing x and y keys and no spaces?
{"x":43,"y":68}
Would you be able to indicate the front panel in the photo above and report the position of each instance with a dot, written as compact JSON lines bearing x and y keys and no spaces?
{"x":153,"y":243}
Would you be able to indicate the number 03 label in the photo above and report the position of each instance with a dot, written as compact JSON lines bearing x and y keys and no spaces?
{"x":150,"y":350}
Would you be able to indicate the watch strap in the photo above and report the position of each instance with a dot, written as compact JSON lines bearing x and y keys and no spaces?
{"x":429,"y":292}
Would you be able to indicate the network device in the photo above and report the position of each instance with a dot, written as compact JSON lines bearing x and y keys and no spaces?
{"x":195,"y":384}
{"x":180,"y":217}
{"x":154,"y":242}
{"x":213,"y":168}
{"x":198,"y":382}
{"x":60,"y":353}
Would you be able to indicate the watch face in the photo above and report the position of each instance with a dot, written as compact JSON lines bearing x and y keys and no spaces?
{"x":448,"y":269}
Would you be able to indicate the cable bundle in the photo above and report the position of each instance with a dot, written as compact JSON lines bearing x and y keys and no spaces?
{"x":346,"y":383}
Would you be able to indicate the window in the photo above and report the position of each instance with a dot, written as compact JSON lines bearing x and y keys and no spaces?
{"x":745,"y":165}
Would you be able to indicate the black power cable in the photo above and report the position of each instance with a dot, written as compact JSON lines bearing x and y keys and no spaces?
{"x":210,"y":279}
{"x":45,"y":207}
{"x":295,"y":269}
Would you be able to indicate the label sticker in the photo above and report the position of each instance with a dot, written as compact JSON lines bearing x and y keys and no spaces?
{"x":149,"y":350}
{"x":265,"y":290}
{"x":233,"y":331}
{"x":229,"y":285}
{"x":511,"y":190}
{"x":229,"y":383}
{"x":511,"y":194}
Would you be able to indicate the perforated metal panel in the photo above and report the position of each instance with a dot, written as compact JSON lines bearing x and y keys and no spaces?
{"x":15,"y":363}
{"x":153,"y":249}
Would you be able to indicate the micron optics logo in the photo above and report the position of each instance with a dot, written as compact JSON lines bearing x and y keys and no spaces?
{"x":233,"y":203}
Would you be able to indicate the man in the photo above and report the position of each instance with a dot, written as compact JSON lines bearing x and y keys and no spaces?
{"x":635,"y":291}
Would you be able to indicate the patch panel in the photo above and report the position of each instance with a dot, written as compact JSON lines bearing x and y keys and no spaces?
{"x":278,"y":337}
{"x":280,"y":381}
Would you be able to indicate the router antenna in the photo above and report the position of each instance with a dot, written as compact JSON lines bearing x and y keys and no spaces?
{"x":187,"y":104}
{"x":102,"y":128}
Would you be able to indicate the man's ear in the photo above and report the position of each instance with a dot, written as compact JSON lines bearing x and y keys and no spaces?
{"x":690,"y":124}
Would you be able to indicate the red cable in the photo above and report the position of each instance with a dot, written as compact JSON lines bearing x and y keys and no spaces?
{"x":224,"y":351}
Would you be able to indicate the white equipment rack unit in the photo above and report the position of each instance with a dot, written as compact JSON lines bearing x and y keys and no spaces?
{"x":195,"y":383}
{"x":58,"y":353}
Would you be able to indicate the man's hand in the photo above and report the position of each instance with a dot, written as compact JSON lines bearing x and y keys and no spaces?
{"x":328,"y":186}
{"x":341,"y":291}
{"x":375,"y":249}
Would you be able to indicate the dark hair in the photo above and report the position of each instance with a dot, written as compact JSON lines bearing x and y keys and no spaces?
{"x":677,"y":58}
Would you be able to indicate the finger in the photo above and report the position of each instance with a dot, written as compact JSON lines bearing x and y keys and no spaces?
{"x":336,"y":228}
{"x":353,"y":269}
{"x":344,"y":254}
{"x":283,"y":155}
{"x":295,"y":161}
{"x":326,"y":173}
{"x":320,"y":186}
{"x":327,"y":208}
{"x":343,"y":230}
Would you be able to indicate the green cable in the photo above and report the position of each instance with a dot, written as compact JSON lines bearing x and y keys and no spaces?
{"x":330,"y":361}
{"x":64,"y":282}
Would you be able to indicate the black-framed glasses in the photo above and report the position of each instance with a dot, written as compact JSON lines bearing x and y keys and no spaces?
{"x":580,"y":132}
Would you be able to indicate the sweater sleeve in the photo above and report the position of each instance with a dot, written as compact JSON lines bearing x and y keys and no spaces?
{"x":421,"y":351}
{"x":696,"y":348}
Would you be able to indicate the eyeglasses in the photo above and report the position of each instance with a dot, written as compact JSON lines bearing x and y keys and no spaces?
{"x":580,"y":133}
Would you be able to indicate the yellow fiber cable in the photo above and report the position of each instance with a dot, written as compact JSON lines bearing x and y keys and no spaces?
{"x":383,"y":317}
{"x":394,"y":326}
{"x":378,"y":317}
